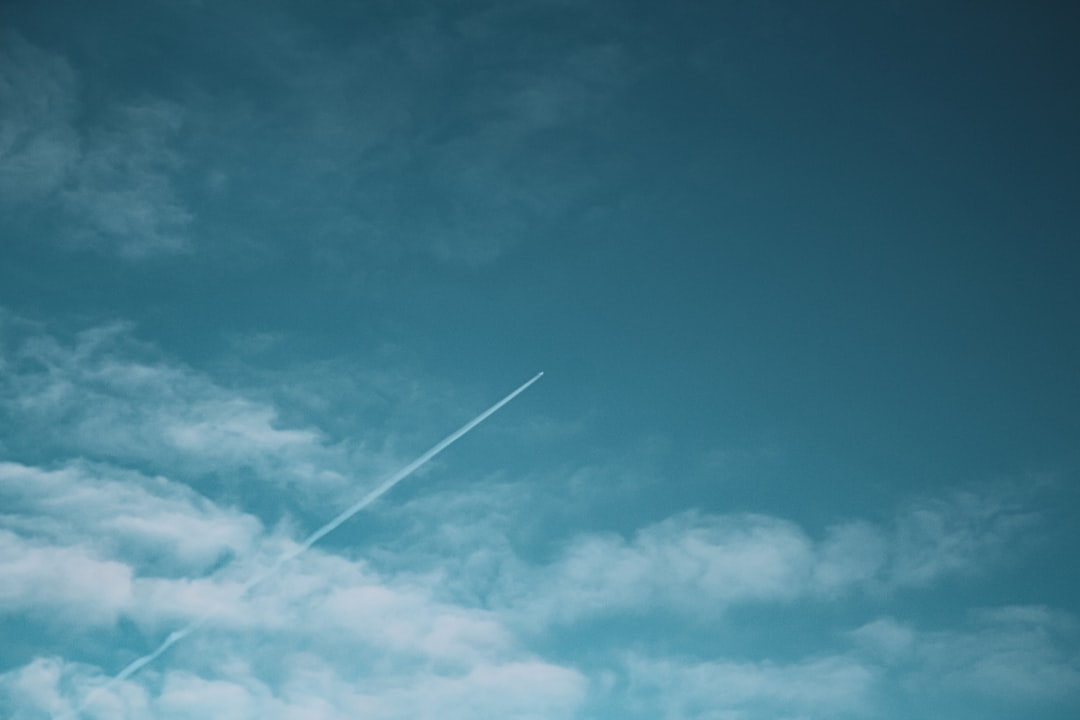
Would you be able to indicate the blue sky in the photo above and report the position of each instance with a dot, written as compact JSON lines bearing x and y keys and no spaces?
{"x":801,"y":276}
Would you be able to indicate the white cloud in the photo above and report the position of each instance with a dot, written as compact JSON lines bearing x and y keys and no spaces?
{"x":105,"y":396}
{"x":92,"y":542}
{"x":886,"y":639}
{"x":381,"y":647}
{"x":307,"y":688}
{"x":445,"y":620}
{"x":407,"y":620}
{"x":50,"y":688}
{"x":123,"y":514}
{"x":826,"y":687}
{"x":699,"y":564}
{"x":33,"y":690}
{"x":336,"y":600}
{"x":689,"y":562}
{"x":47,"y":580}
{"x":385,"y":646}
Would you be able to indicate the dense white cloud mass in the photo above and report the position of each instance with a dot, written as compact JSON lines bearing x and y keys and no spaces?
{"x":124,"y":514}
{"x":47,"y":580}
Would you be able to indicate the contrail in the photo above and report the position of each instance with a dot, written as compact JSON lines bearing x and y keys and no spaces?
{"x":313,"y":538}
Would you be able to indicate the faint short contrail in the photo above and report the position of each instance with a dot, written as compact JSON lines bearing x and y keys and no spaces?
{"x":319,"y":534}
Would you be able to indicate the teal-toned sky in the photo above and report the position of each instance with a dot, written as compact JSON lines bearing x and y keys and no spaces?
{"x":802,"y":278}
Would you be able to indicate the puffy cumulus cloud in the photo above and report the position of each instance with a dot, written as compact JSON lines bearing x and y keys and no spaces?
{"x":48,"y":581}
{"x":123,"y":514}
{"x":452,"y":618}
{"x":529,"y":690}
{"x":885,"y":638}
{"x":103,"y":395}
{"x":337,"y":601}
{"x":700,"y":564}
{"x":188,"y":695}
{"x":332,"y":637}
{"x":85,"y":544}
{"x":408,"y":620}
{"x":34,"y":691}
{"x":327,"y":636}
{"x":690,"y":562}
{"x":304,"y":686}
{"x":50,"y":688}
{"x":693,"y":566}
{"x":824,"y":687}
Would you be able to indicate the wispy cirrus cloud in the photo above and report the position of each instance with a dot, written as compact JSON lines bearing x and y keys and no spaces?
{"x":104,"y":395}
{"x":418,"y":142}
{"x":122,"y":192}
{"x":39,"y":145}
{"x":405,"y":143}
{"x":112,"y":179}
{"x":958,"y":534}
{"x":830,"y":686}
{"x":1012,"y":653}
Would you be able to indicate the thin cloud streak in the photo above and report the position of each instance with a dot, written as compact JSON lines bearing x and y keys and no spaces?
{"x":322,"y":532}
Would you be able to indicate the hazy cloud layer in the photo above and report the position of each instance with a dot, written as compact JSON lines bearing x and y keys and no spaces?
{"x":446,"y":620}
{"x":112,"y":180}
{"x":371,"y":148}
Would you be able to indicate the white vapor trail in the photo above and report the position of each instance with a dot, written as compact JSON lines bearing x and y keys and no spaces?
{"x":313,"y":538}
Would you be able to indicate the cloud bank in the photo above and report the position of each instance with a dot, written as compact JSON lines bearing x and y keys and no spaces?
{"x":120,"y":536}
